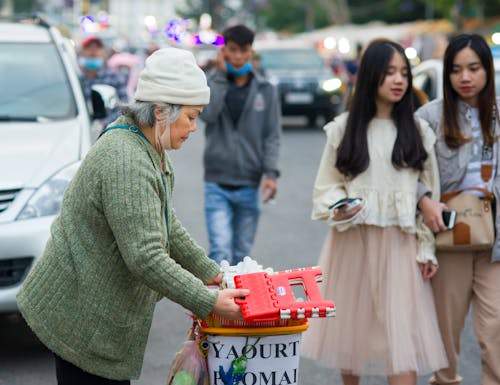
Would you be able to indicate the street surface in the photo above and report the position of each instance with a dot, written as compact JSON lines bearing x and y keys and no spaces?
{"x":286,"y":238}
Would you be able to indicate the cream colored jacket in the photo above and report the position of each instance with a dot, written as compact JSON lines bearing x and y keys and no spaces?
{"x":390,"y":194}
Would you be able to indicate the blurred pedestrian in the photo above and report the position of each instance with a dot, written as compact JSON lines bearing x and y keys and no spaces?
{"x":242,"y":134}
{"x":467,"y":124}
{"x":92,"y":60}
{"x":378,"y":256}
{"x":257,"y":63}
{"x":117,"y":246}
{"x":130,"y":66}
{"x":350,"y":77}
{"x":151,"y":48}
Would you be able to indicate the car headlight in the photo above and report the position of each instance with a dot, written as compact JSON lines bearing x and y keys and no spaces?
{"x":274,"y":80}
{"x":331,"y":85}
{"x":47,"y":199}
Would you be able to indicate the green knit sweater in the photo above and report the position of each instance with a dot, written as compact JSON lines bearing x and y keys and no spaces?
{"x":91,"y":296}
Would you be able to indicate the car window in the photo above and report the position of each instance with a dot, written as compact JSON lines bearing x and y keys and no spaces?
{"x":293,"y":59}
{"x":34,"y":83}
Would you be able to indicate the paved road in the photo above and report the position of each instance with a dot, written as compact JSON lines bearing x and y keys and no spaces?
{"x":286,"y":238}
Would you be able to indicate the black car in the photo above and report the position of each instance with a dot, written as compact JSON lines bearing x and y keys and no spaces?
{"x":307,"y":86}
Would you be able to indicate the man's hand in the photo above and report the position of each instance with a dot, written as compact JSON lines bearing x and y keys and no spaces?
{"x":268,"y":189}
{"x":432,"y":213}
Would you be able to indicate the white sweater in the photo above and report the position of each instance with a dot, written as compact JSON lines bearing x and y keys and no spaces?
{"x":390,"y":194}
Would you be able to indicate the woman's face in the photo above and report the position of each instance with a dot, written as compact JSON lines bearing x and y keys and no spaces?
{"x":184,"y":125}
{"x":395,"y":83}
{"x":468,"y":76}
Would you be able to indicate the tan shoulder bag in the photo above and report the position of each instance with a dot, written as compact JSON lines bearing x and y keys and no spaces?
{"x":474,"y":228}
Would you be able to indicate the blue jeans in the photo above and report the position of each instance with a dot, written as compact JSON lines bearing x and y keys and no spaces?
{"x":231,"y":217}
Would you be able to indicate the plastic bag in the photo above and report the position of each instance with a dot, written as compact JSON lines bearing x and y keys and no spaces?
{"x":189,"y":366}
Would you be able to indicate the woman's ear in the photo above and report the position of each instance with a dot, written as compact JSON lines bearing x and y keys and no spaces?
{"x":158,"y":113}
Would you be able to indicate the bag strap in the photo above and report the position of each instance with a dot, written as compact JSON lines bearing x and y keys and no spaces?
{"x":487,"y":154}
{"x":128,"y":128}
{"x":486,"y":149}
{"x":487,"y":194}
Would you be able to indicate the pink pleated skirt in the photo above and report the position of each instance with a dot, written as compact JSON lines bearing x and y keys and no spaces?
{"x":386,"y":321}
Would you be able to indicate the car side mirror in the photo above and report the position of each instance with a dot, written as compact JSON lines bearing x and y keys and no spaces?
{"x":104,"y":99}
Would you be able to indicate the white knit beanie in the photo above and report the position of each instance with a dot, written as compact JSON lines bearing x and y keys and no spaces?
{"x":171,"y":75}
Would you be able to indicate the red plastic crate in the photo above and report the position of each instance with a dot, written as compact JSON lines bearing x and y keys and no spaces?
{"x":271,"y":296}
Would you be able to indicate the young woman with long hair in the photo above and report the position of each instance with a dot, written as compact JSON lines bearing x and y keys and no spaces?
{"x":378,"y":257}
{"x":467,"y":127}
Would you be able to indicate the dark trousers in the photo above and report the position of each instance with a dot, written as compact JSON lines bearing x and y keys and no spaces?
{"x":69,"y":374}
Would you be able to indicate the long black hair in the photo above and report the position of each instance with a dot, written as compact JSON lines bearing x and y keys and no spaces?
{"x":408,"y":151}
{"x":453,"y":135}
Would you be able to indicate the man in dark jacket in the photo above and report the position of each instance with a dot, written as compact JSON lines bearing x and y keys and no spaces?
{"x":243,"y":130}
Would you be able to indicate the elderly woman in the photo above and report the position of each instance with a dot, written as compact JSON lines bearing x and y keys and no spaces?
{"x":117,"y":246}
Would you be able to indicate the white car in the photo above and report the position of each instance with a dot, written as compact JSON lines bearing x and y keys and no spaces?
{"x":45,"y":131}
{"x":427,"y":76}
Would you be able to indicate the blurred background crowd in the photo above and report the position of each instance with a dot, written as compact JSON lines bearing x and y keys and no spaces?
{"x":310,"y":50}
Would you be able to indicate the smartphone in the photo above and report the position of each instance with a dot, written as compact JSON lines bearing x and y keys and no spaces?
{"x":449,"y":217}
{"x":350,"y":202}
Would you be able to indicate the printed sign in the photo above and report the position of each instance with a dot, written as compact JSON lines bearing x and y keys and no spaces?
{"x":262,"y":360}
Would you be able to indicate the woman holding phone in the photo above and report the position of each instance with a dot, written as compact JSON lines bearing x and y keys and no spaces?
{"x":467,"y":127}
{"x":379,"y":255}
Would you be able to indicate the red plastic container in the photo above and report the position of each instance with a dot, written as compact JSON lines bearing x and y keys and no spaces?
{"x":271,"y":295}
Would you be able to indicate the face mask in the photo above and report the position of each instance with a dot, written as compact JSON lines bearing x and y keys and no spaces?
{"x":242,"y":71}
{"x":91,"y":63}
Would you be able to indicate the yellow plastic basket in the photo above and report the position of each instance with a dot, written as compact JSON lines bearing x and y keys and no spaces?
{"x":215,"y":324}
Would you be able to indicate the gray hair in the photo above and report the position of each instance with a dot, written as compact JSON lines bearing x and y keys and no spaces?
{"x":143,"y":112}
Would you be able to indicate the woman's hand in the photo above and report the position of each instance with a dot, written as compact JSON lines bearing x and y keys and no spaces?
{"x":432,"y":213}
{"x":217,"y":280}
{"x":225,"y":305}
{"x":342,"y":214}
{"x":428,"y":269}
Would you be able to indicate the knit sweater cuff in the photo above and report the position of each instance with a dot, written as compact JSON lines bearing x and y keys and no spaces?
{"x":203,"y":303}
